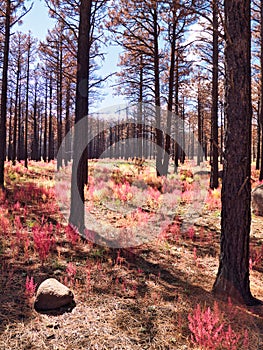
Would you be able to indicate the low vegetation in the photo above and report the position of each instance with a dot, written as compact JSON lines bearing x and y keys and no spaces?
{"x":156,"y":295}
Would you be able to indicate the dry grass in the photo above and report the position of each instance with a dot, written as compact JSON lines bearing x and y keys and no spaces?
{"x":136,"y":298}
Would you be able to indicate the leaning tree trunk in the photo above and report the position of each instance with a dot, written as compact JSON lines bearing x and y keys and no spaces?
{"x":233,"y":274}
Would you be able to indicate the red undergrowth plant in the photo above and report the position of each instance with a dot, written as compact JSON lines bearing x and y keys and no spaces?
{"x":71,"y":273}
{"x":213,"y":199}
{"x":2,"y":196}
{"x":191,"y":232}
{"x":209,"y":330}
{"x":30,"y":287}
{"x":21,"y":238}
{"x":43,"y":240}
{"x":72,"y":234}
{"x":4,"y":222}
{"x":122,"y":191}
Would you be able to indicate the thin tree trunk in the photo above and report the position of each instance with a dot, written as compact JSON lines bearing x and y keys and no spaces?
{"x":258,"y":139}
{"x":199,"y":121}
{"x":45,"y":122}
{"x":34,"y":151}
{"x":176,"y":111}
{"x":10,"y":142}
{"x":59,"y":104}
{"x":4,"y":94}
{"x":19,"y":138}
{"x":27,"y":100}
{"x":159,"y":133}
{"x":14,"y":154}
{"x":67,"y":127}
{"x":214,"y":114}
{"x":80,"y":160}
{"x":139,"y":121}
{"x":50,"y":127}
{"x":261,"y":91}
{"x":170,"y":95}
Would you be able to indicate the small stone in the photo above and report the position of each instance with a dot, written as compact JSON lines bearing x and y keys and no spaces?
{"x":257,"y":200}
{"x":52,"y":295}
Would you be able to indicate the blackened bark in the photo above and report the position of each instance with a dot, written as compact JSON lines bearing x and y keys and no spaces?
{"x":19,"y":136}
{"x":139,"y":136}
{"x":27,"y":100}
{"x":200,"y":129}
{"x":59,"y":103}
{"x":170,"y":93}
{"x":67,"y":127}
{"x":50,"y":126}
{"x":4,"y":94}
{"x":80,"y":161}
{"x":261,"y":92}
{"x":9,"y":151}
{"x":258,"y":139}
{"x":233,"y":274}
{"x":182,"y":158}
{"x":214,"y":112}
{"x":176,"y":106}
{"x":34,"y":150}
{"x":159,"y":133}
{"x":14,"y":153}
{"x":45,"y":122}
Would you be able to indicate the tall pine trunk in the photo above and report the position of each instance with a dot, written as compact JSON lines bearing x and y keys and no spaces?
{"x":80,"y":160}
{"x":4,"y":94}
{"x":233,"y":274}
{"x":261,"y":92}
{"x":214,"y":114}
{"x":27,"y":100}
{"x":170,"y":93}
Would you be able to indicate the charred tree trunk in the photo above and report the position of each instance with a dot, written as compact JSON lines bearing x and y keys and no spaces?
{"x":200,"y":131}
{"x":214,"y":114}
{"x":59,"y":103}
{"x":233,"y":274}
{"x":167,"y":146}
{"x":20,"y":125}
{"x":10,"y":141}
{"x":50,"y":126}
{"x":140,"y":139}
{"x":34,"y":151}
{"x":27,"y":100}
{"x":159,"y":133}
{"x":4,"y":93}
{"x":67,"y":127}
{"x":80,"y":160}
{"x":45,"y":122}
{"x":176,"y":103}
{"x":258,"y":139}
{"x":261,"y":92}
{"x":16,"y":111}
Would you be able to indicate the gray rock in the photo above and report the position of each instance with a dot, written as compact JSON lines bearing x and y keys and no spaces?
{"x":52,"y":295}
{"x":257,"y":200}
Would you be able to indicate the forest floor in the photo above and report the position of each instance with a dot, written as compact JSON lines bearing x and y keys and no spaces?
{"x":156,"y":295}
